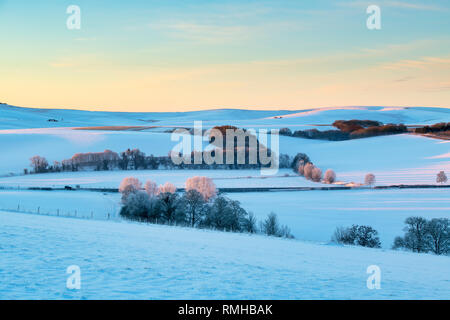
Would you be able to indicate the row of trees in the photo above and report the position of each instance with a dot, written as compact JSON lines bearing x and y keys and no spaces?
{"x":302,"y":165}
{"x":352,"y":129}
{"x":435,"y":128}
{"x":422,"y":235}
{"x":135,"y":159}
{"x":199,"y":206}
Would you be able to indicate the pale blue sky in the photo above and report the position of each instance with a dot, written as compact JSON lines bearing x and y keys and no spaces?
{"x":148,"y":55}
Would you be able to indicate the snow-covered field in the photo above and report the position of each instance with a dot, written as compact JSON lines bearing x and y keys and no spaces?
{"x":400,"y":159}
{"x":19,"y":118}
{"x":126,"y":260}
{"x":112,"y":179}
{"x":311,"y":215}
{"x":132,"y":261}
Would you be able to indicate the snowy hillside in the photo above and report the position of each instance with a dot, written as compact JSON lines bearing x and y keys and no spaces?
{"x":400,"y":159}
{"x":18,"y":118}
{"x":131,"y":261}
{"x":311,"y":215}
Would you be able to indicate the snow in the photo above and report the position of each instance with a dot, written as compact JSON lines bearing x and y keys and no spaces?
{"x":399,"y":159}
{"x":12,"y":117}
{"x":315,"y":215}
{"x":311,"y":215}
{"x":112,"y":179}
{"x":120,"y":260}
{"x":126,"y":260}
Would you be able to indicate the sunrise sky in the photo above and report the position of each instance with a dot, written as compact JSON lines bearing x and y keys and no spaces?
{"x":173,"y":55}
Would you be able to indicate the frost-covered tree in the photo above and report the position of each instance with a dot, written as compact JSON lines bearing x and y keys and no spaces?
{"x":364,"y":236}
{"x":170,"y":209}
{"x":195,"y":206}
{"x":439,"y":232}
{"x":330,"y":176}
{"x":167,"y":188}
{"x":316,"y":174}
{"x":128,"y":186}
{"x":370,"y":179}
{"x":272,"y":227}
{"x":138,"y":206}
{"x":39,"y":164}
{"x":284,"y":161}
{"x":300,"y":160}
{"x":308,"y":170}
{"x":416,"y":237}
{"x":441,"y":177}
{"x":204,"y":185}
{"x":151,"y":188}
{"x":225,"y":214}
{"x":250,"y":224}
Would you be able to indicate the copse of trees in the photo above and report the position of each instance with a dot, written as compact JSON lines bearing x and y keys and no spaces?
{"x":435,"y":128}
{"x":134,"y":159}
{"x":348,"y":129}
{"x":331,"y":135}
{"x":198,"y":207}
{"x":364,"y":236}
{"x":387,"y":129}
{"x":354,"y":125}
{"x":422,"y":235}
{"x":39,"y":164}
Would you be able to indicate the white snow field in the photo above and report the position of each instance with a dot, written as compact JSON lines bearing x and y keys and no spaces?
{"x":311,"y":215}
{"x":314,"y":215}
{"x":120,"y":260}
{"x":112,"y":179}
{"x":399,"y":159}
{"x":12,"y":117}
{"x":51,"y":230}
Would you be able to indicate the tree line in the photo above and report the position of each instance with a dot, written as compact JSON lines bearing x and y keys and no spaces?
{"x":421,"y":236}
{"x":134,"y":159}
{"x":351,"y":129}
{"x":200,"y":206}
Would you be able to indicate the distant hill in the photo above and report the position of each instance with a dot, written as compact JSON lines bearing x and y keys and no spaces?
{"x":12,"y":117}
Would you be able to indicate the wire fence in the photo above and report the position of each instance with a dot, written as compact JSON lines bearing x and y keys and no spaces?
{"x":69,"y":213}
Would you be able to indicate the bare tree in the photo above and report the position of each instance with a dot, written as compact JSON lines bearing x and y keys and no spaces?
{"x":39,"y":164}
{"x":330,"y":176}
{"x":204,"y":185}
{"x":441,"y":177}
{"x":370,"y":179}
